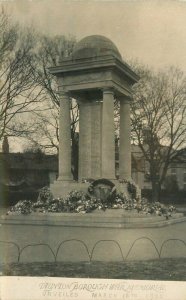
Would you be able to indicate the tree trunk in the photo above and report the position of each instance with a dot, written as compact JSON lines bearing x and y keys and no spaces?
{"x":75,"y":147}
{"x":155,"y":190}
{"x":75,"y":159}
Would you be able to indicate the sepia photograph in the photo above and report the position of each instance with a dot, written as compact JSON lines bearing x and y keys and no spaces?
{"x":93,"y":149}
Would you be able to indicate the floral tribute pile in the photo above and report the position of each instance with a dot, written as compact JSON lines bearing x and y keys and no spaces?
{"x":80,"y":202}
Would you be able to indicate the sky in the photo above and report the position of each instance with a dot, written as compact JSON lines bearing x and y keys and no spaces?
{"x":153,"y":32}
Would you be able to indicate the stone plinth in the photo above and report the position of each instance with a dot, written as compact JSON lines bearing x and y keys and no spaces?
{"x":108,"y":136}
{"x":89,"y":139}
{"x":96,"y":140}
{"x":62,"y":188}
{"x":84,"y":140}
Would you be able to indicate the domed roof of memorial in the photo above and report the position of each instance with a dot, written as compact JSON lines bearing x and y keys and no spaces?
{"x":95,"y":45}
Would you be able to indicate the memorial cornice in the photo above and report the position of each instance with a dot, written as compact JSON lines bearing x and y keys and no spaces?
{"x":115,"y":86}
{"x":101,"y":63}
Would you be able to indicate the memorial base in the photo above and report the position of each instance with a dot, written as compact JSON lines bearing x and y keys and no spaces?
{"x":114,"y":235}
{"x":61,"y":188}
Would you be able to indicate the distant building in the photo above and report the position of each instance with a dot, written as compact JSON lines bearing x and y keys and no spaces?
{"x":5,"y":145}
{"x":140,"y":168}
{"x":177,"y":169}
{"x":26,"y":170}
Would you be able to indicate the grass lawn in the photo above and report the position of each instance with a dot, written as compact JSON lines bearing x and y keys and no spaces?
{"x":162,"y":269}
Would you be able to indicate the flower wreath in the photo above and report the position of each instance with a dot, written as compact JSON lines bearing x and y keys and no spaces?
{"x":112,"y":193}
{"x":131,"y":187}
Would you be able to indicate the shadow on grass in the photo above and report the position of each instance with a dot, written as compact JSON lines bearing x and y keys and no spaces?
{"x":162,"y":269}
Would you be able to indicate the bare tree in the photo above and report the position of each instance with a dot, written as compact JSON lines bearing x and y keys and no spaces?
{"x":158,"y":114}
{"x":17,"y":90}
{"x":49,"y":53}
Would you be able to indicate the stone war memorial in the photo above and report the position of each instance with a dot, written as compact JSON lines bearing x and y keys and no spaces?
{"x":95,"y":75}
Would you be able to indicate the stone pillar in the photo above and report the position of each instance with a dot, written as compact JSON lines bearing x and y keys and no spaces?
{"x":108,"y":135}
{"x":125,"y":142}
{"x":64,"y":138}
{"x":84,"y":139}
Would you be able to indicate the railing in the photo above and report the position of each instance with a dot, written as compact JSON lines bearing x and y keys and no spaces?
{"x":90,"y":253}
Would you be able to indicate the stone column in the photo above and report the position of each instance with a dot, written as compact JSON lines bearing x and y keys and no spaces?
{"x":125,"y":142}
{"x":64,"y":138}
{"x":108,"y":135}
